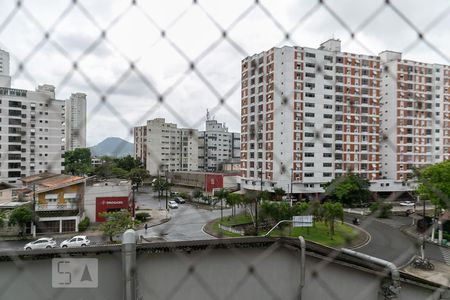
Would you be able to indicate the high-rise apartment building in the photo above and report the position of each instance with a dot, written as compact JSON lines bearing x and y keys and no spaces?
{"x":31,"y":132}
{"x":75,"y":117}
{"x":310,"y":115}
{"x":162,"y":147}
{"x":217,"y":146}
{"x":5,"y":78}
{"x":415,"y":115}
{"x":32,"y":129}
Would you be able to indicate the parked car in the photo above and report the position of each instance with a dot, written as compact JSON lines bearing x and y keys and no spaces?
{"x":41,"y":243}
{"x":407,"y":203}
{"x":173,"y":204}
{"x":179,"y":200}
{"x":76,"y":241}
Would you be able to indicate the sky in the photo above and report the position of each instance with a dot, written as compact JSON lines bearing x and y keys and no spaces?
{"x":142,"y":59}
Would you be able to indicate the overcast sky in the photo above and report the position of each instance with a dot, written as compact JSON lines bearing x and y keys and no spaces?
{"x":134,"y":33}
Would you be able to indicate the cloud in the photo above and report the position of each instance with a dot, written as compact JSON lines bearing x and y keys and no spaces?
{"x":162,"y":38}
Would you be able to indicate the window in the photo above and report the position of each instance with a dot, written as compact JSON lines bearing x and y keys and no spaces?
{"x":309,"y":174}
{"x":328,"y":116}
{"x":309,"y":164}
{"x":309,"y":154}
{"x":327,"y":155}
{"x":309,"y":124}
{"x":327,"y":164}
{"x":309,"y":115}
{"x":309,"y":104}
{"x":310,"y":75}
{"x":309,"y":145}
{"x":309,"y":134}
{"x":326,"y":174}
{"x":328,"y":68}
{"x":308,"y":54}
{"x":311,"y":95}
{"x":310,"y":65}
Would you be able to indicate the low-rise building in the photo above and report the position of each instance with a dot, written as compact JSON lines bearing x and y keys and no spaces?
{"x":205,"y":181}
{"x":58,"y":201}
{"x":106,"y":196}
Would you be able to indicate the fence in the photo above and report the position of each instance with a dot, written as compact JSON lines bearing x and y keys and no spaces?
{"x":138,"y":60}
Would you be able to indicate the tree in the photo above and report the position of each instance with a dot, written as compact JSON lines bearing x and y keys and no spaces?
{"x":316,"y":210}
{"x":137,"y":176}
{"x":350,"y":189}
{"x":21,"y":216}
{"x":78,"y":161}
{"x":197,"y":193}
{"x":2,"y":219}
{"x":232,"y":200}
{"x":279,"y":193}
{"x":434,"y":184}
{"x":116,"y":223}
{"x":331,"y":212}
{"x":127,"y":163}
{"x":160,"y":185}
{"x":221,"y":194}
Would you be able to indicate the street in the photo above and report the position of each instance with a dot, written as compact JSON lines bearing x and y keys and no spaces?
{"x":186,"y":223}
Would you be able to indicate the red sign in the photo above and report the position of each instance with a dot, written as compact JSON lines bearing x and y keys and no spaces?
{"x":213,"y":181}
{"x":105,"y":204}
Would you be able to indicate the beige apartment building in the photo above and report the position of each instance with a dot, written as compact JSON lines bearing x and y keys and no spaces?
{"x":163,"y":147}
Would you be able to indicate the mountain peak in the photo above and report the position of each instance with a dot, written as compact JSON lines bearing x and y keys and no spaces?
{"x":112,"y":146}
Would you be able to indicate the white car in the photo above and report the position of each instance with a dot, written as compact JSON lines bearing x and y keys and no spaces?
{"x":173,"y":204}
{"x":407,"y":203}
{"x":41,"y":243}
{"x":76,"y":241}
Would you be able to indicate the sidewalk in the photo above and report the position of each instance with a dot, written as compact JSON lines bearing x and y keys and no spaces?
{"x":440,"y":274}
{"x":157,"y":217}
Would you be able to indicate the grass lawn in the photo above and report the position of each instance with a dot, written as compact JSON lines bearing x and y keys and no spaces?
{"x":344,"y":234}
{"x":237,"y":220}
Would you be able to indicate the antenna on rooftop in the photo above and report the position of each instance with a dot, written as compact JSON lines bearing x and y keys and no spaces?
{"x":207,"y":115}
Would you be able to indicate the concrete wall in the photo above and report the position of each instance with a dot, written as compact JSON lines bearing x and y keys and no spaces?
{"x":102,"y":190}
{"x":231,"y":269}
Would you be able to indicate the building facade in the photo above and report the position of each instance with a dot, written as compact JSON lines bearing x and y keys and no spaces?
{"x":415,"y":115}
{"x":32,"y":132}
{"x":33,"y":127}
{"x":163,"y":147}
{"x":5,"y":78}
{"x":75,"y":118}
{"x":217,"y":146}
{"x":310,"y":115}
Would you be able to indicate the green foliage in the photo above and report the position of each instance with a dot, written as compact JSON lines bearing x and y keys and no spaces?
{"x":331,"y":212}
{"x":2,"y":219}
{"x":277,"y":211}
{"x":374,"y":207}
{"x":116,"y":223}
{"x":350,"y":190}
{"x":316,"y":210}
{"x":137,"y":176}
{"x":279,"y":193}
{"x":197,"y":193}
{"x":127,"y":163}
{"x":119,"y":172}
{"x":265,"y":195}
{"x":142,"y":216}
{"x":78,"y":162}
{"x":385,"y":210}
{"x":233,"y":200}
{"x":84,"y":224}
{"x":21,"y":216}
{"x":434,"y":184}
{"x":221,"y":194}
{"x":184,"y":195}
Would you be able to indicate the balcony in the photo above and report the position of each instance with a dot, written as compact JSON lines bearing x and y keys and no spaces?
{"x":56,"y":206}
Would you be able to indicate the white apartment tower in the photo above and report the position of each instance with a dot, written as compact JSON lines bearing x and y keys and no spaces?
{"x":217,"y":145}
{"x":415,"y":115}
{"x":5,"y":78}
{"x":307,"y":116}
{"x":162,"y":147}
{"x":31,"y":132}
{"x":32,"y":129}
{"x":75,"y":117}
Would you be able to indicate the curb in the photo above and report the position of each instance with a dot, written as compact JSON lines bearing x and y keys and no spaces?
{"x":366,"y":241}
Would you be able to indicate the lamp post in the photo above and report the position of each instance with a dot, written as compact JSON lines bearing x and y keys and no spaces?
{"x":260,"y":172}
{"x":290,"y":194}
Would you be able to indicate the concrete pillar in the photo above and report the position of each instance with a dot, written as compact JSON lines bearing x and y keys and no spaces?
{"x":77,"y":219}
{"x":60,"y":226}
{"x":432,"y":230}
{"x":440,"y":232}
{"x":129,"y":273}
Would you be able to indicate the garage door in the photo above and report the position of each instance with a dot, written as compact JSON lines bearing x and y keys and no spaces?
{"x":68,"y":225}
{"x":47,"y":227}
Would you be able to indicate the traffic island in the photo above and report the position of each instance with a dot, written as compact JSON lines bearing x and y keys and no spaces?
{"x":345,"y":235}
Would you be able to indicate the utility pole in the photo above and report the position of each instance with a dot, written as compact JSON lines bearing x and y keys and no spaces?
{"x":256,"y":203}
{"x":292,"y":175}
{"x":133,"y":201}
{"x":33,"y":226}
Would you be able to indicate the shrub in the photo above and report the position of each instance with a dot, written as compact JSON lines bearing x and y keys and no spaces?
{"x":84,"y":224}
{"x":142,"y":216}
{"x":374,"y":207}
{"x":385,"y":210}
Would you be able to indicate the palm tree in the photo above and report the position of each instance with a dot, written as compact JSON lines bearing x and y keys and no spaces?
{"x":332,"y":211}
{"x":221,"y":194}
